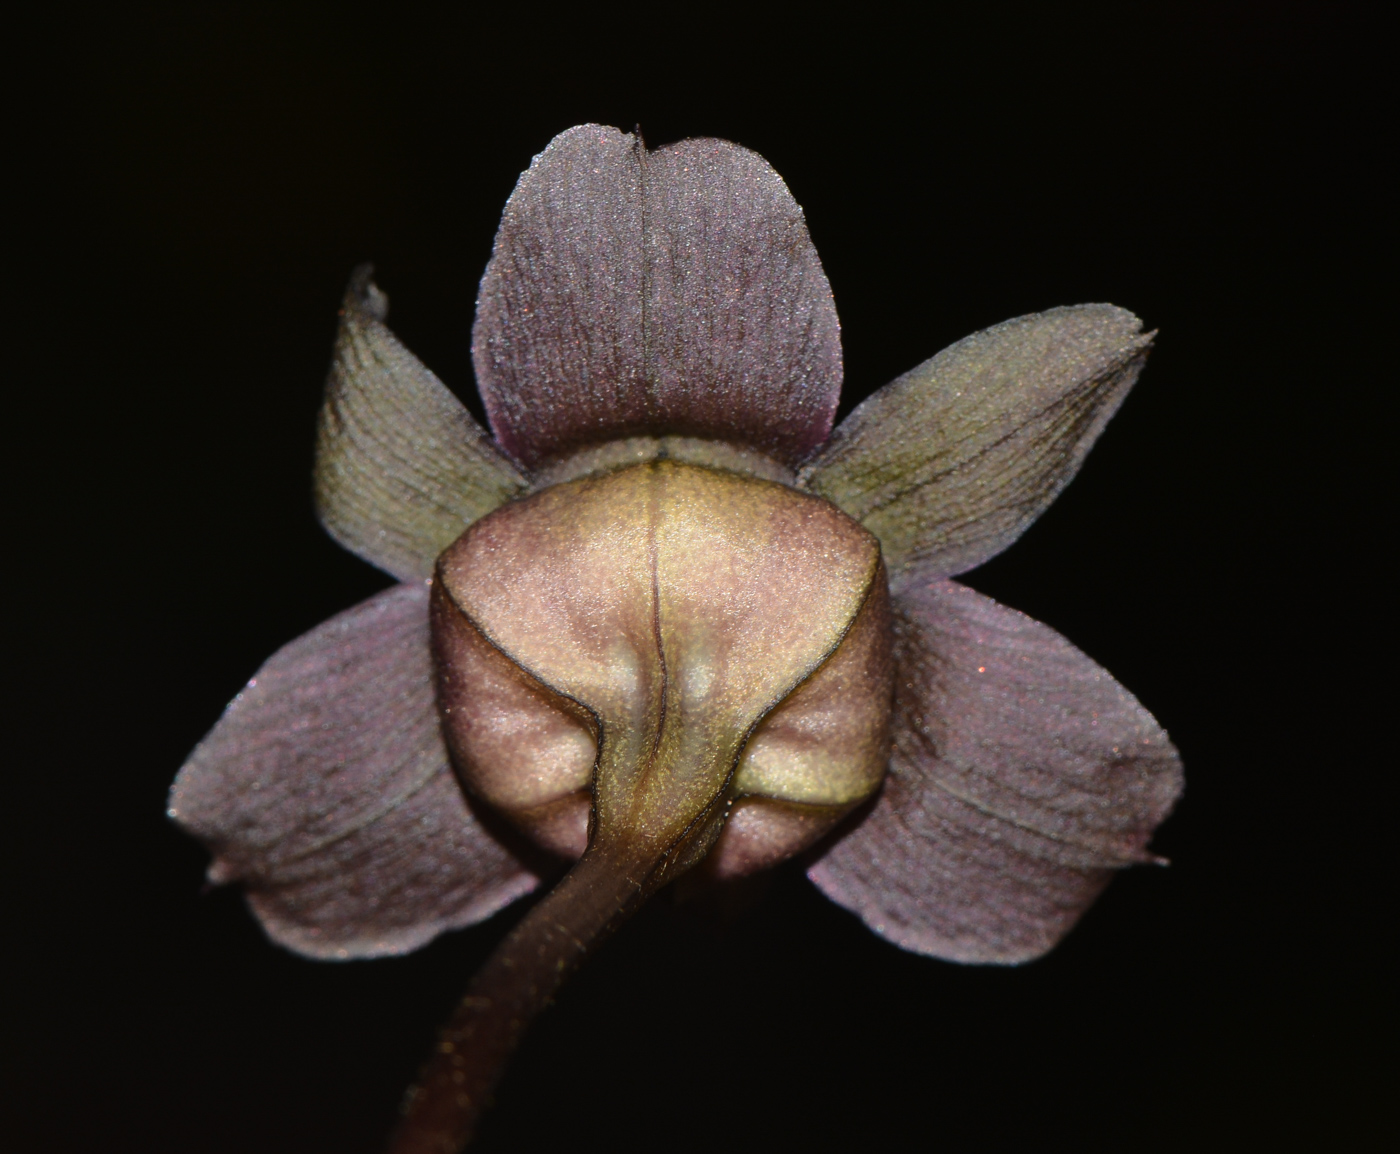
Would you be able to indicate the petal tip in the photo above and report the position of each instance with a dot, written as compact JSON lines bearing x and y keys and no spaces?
{"x":363,"y":296}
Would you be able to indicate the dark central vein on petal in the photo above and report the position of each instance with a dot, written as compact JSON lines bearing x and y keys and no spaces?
{"x":663,"y":690}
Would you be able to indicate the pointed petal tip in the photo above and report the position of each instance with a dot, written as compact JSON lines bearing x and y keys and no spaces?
{"x":362,"y":295}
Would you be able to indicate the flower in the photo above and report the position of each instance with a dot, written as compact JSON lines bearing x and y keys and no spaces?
{"x":669,"y":620}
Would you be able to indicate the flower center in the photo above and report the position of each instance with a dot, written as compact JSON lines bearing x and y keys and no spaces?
{"x":633,"y":657}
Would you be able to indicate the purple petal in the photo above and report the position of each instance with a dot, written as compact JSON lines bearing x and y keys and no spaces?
{"x":672,"y":292}
{"x":1022,"y":775}
{"x":326,"y":789}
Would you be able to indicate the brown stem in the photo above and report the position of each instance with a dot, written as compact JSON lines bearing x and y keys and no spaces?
{"x":514,"y":984}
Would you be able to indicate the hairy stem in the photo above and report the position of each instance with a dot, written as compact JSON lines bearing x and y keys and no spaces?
{"x":514,"y":984}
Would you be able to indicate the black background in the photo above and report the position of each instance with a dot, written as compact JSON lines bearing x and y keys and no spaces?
{"x":202,"y":183}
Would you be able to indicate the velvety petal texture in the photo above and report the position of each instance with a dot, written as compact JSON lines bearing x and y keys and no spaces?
{"x":401,"y":467}
{"x":1022,"y":775}
{"x":326,"y":789}
{"x":666,"y":292}
{"x":951,"y":462}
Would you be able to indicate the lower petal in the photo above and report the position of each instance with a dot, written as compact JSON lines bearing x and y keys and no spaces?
{"x":1022,"y":775}
{"x":327,"y":791}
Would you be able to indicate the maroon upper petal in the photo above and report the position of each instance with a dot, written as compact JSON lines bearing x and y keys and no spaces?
{"x":674,"y":291}
{"x":1022,"y":774}
{"x":325,"y":788}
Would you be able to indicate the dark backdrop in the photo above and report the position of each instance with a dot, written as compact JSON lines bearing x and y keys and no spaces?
{"x":202,"y":184}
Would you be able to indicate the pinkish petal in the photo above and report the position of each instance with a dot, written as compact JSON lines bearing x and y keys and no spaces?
{"x":1022,"y":775}
{"x":326,"y":789}
{"x":742,"y":329}
{"x":951,"y":462}
{"x":675,"y":291}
